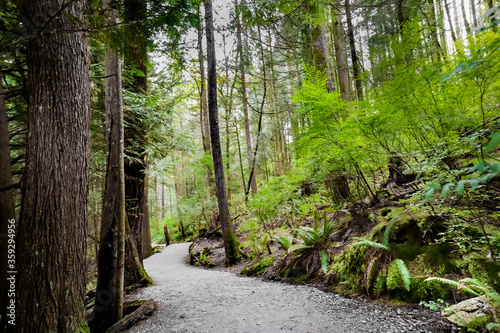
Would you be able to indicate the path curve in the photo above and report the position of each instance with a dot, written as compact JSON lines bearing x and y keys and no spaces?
{"x":192,"y":299}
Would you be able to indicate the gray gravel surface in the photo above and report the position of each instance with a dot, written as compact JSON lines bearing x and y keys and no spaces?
{"x":192,"y":299}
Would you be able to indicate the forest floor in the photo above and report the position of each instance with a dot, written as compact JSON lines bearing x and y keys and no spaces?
{"x":193,"y":299}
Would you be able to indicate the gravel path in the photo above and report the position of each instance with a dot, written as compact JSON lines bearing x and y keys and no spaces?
{"x":192,"y":299}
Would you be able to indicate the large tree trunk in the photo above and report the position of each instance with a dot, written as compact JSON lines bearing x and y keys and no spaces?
{"x":340,"y":52}
{"x":354,"y":56}
{"x":318,"y":41}
{"x":7,"y":210}
{"x":204,"y":123}
{"x":244,"y":96}
{"x":52,"y":234}
{"x":136,"y":57}
{"x":108,"y":307}
{"x":230,"y":242}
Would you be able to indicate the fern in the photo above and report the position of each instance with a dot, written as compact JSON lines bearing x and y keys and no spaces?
{"x":324,"y":262}
{"x":387,"y":232}
{"x":362,"y":241}
{"x":284,"y":241}
{"x":380,"y":284}
{"x":398,"y":276}
{"x":453,"y":284}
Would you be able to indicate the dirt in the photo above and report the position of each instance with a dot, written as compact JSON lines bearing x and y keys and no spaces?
{"x":193,"y":299}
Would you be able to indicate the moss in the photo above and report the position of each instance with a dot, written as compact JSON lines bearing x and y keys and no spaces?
{"x":349,"y":267}
{"x":438,"y":256}
{"x":409,"y":250}
{"x":259,"y":268}
{"x":233,"y":251}
{"x":83,"y":327}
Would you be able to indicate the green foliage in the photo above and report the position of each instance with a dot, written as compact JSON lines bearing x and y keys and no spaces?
{"x":316,"y":238}
{"x":454,"y":284}
{"x":259,"y":268}
{"x":437,"y":305}
{"x":362,"y":241}
{"x":398,"y":275}
{"x":284,"y":241}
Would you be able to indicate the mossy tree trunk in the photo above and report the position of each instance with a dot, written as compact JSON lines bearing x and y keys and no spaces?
{"x":108,"y":307}
{"x":52,"y":230}
{"x":230,"y":241}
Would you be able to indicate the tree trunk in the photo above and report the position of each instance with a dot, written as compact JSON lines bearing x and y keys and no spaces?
{"x":162,"y":200}
{"x":136,"y":191}
{"x":354,"y":56}
{"x":340,"y":52}
{"x":157,"y":206}
{"x":147,"y":249}
{"x":447,"y":9}
{"x":464,"y":15}
{"x":472,"y":5}
{"x":248,"y":136}
{"x":51,"y":239}
{"x":204,"y":123}
{"x":7,"y":210}
{"x":110,"y":267}
{"x":230,"y":241}
{"x":318,"y":43}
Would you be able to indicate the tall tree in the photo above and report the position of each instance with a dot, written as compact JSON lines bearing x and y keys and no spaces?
{"x":244,"y":95}
{"x":108,"y":307}
{"x":53,"y":219}
{"x":318,"y":42}
{"x":340,"y":51}
{"x":7,"y":211}
{"x":354,"y":55}
{"x":230,"y":241}
{"x":136,"y":189}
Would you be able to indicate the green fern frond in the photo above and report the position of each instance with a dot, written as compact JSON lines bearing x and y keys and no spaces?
{"x":362,"y":241}
{"x":324,"y":262}
{"x":387,"y":232}
{"x":380,"y":284}
{"x":404,"y":272}
{"x":453,"y":284}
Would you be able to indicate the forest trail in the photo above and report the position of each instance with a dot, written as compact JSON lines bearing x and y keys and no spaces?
{"x":192,"y":299}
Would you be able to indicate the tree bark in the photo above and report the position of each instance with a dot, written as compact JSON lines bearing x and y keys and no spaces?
{"x":136,"y":191}
{"x":354,"y":56}
{"x":248,"y":136}
{"x":340,"y":52}
{"x":7,"y":210}
{"x":472,"y":5}
{"x":52,"y":230}
{"x":318,"y":41}
{"x":110,"y":267}
{"x":220,"y":182}
{"x":447,"y":9}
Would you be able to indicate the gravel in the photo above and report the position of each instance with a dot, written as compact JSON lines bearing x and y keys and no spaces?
{"x":192,"y":299}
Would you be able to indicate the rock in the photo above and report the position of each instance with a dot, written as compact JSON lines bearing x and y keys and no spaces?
{"x":472,"y":313}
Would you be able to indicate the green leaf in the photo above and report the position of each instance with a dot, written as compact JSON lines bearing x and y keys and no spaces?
{"x":435,"y":186}
{"x":491,"y":326}
{"x":429,"y":194}
{"x":324,"y":261}
{"x":479,"y":167}
{"x":474,"y":182}
{"x":460,"y":187}
{"x":494,"y":142}
{"x":398,"y":276}
{"x":446,"y":188}
{"x":362,"y":241}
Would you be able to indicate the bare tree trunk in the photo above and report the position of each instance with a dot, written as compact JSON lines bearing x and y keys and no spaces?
{"x":354,"y":56}
{"x":230,"y":241}
{"x":147,"y":249}
{"x":108,"y":307}
{"x":204,"y":123}
{"x":447,"y":9}
{"x":340,"y":52}
{"x":464,"y":14}
{"x":162,"y":200}
{"x":7,"y":210}
{"x":472,"y":5}
{"x":248,"y":137}
{"x":52,"y":230}
{"x":157,"y":205}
